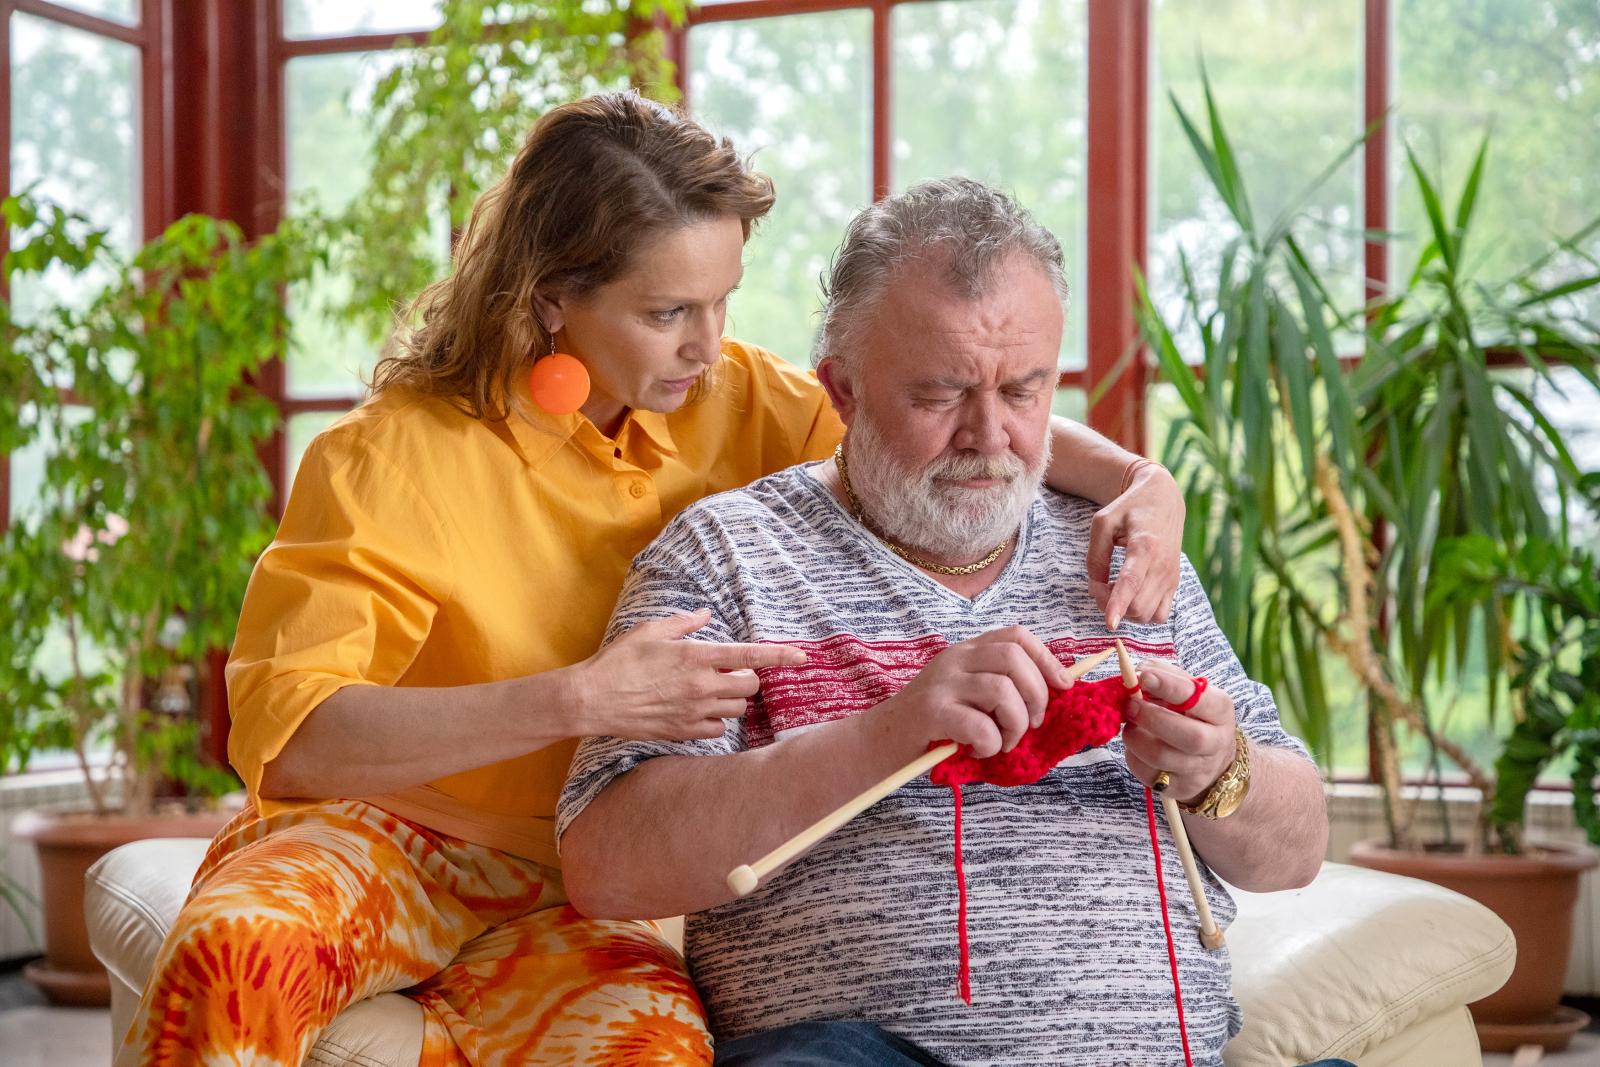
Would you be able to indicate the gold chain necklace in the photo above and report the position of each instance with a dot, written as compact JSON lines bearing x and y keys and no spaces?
{"x":909,"y":557}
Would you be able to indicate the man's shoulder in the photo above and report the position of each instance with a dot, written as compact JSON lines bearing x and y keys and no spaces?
{"x":769,"y":507}
{"x":1070,"y":514}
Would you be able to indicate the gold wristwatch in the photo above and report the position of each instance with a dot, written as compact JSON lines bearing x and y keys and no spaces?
{"x":1228,"y":791}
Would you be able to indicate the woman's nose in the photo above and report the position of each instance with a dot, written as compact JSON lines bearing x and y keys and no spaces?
{"x":705,"y":345}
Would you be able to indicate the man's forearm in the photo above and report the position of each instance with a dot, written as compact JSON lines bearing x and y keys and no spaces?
{"x":1278,"y":836}
{"x":661,"y":839}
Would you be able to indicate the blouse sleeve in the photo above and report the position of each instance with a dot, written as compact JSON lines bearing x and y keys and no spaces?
{"x":345,"y":595}
{"x":802,"y":405}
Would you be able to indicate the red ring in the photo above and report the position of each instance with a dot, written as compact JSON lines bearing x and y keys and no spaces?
{"x":1194,"y":697}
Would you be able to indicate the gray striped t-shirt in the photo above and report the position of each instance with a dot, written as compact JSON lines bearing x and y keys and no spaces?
{"x":1068,"y":958}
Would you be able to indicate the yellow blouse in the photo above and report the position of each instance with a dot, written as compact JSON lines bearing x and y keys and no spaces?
{"x":421,"y":546}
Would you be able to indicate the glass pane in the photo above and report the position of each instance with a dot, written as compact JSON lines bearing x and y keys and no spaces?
{"x":335,"y":18}
{"x":1286,"y":124}
{"x":961,"y":64}
{"x":793,"y":93}
{"x":123,"y":11}
{"x":74,"y":140}
{"x":1072,"y":404}
{"x":302,"y":428}
{"x":1526,"y":76}
{"x":327,"y":99}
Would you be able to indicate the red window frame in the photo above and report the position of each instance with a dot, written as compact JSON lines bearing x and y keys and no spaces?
{"x":213,"y":140}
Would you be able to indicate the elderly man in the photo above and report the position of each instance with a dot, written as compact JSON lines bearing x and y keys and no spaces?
{"x":922,"y":573}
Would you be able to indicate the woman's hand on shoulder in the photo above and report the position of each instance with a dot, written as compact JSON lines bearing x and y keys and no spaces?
{"x":1147,"y":521}
{"x":654,"y":684}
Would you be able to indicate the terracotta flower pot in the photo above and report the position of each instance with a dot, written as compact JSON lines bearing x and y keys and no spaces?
{"x":68,"y":843}
{"x":1534,"y":894}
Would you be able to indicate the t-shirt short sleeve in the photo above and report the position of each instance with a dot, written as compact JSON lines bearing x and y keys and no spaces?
{"x":677,"y":574}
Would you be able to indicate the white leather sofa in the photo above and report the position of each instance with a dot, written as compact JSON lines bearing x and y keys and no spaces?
{"x":1362,"y":965}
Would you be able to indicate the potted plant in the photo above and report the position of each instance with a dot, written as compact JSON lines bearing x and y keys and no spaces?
{"x":1555,"y":683}
{"x":130,"y":565}
{"x":1331,"y":505}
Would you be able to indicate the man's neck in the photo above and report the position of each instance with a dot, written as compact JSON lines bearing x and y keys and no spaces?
{"x":967,"y":585}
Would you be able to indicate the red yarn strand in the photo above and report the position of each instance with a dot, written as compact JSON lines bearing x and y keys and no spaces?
{"x":1166,"y":924}
{"x":964,"y":982}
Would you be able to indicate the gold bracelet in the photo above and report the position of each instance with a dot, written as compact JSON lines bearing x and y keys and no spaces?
{"x":1132,"y":469}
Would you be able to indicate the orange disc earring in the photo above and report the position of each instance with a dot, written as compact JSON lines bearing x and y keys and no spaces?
{"x":558,"y":383}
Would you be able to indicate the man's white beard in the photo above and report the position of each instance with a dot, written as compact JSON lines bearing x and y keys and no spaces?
{"x":924,"y":509}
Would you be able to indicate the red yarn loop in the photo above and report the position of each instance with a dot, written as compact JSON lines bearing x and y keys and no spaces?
{"x":1194,"y":697}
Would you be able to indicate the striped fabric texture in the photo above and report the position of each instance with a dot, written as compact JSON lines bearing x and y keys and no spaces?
{"x":1068,"y":957}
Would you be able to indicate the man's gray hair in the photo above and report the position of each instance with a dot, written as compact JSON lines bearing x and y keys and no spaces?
{"x":970,"y":226}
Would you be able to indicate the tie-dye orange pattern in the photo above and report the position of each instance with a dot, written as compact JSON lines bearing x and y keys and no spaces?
{"x":295,"y":916}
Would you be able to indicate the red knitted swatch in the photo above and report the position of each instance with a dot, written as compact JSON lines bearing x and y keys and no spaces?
{"x":1083,"y":716}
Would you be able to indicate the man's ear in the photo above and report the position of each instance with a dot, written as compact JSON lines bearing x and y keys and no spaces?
{"x":549,"y":310}
{"x":841,"y":390}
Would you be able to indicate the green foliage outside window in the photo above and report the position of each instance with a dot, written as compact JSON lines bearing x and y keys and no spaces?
{"x":454,"y":109}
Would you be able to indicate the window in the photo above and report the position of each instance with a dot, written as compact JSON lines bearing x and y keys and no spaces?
{"x":848,"y":102}
{"x":75,"y":138}
{"x":1315,"y":114}
{"x":1532,"y":74}
{"x":793,"y":95}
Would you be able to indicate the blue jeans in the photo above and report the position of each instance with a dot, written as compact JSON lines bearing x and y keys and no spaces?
{"x":841,"y":1044}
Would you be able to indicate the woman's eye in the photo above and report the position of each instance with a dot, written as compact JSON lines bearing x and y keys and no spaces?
{"x":669,"y":315}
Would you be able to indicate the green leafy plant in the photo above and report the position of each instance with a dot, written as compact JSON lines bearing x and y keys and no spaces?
{"x":1555,"y":666}
{"x":1322,"y":493}
{"x":131,"y":565}
{"x":451,"y":113}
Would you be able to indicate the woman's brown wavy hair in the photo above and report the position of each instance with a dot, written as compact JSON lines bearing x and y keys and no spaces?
{"x":596,"y":179}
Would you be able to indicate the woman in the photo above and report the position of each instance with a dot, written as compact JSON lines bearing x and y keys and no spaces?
{"x":420,"y":639}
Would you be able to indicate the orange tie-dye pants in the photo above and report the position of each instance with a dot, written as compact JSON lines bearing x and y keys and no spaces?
{"x":293,"y":917}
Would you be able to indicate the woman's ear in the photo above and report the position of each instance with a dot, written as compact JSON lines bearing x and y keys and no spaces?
{"x":549,"y":310}
{"x":841,"y":390}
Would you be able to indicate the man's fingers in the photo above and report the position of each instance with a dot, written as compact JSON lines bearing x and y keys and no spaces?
{"x":1051,"y":668}
{"x":1166,"y":685}
{"x":1011,"y":716}
{"x":1007,"y":655}
{"x":979,"y":732}
{"x":1173,"y":728}
{"x":733,"y":657}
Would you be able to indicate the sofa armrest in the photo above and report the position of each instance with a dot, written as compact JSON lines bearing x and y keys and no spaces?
{"x":1353,"y":960}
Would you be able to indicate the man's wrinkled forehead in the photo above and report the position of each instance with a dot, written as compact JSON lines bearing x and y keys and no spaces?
{"x":1016,"y":319}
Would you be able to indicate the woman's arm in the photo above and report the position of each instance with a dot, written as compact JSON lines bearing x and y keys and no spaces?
{"x":649,"y":683}
{"x":367,"y":739}
{"x":1143,"y":513}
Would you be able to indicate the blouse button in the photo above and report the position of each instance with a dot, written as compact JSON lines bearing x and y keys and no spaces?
{"x":636,"y":490}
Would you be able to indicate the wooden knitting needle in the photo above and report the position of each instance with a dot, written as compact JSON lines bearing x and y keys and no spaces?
{"x":1210,"y":933}
{"x":743,"y":880}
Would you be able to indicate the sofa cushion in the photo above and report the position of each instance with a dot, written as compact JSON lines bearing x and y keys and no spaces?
{"x":1352,"y":960}
{"x":132,"y":896}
